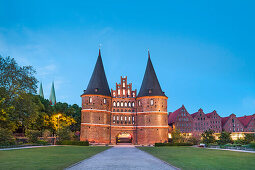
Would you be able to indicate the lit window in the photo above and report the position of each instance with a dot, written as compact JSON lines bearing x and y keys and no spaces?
{"x":117,"y":117}
{"x":128,"y":92}
{"x":90,"y":100}
{"x":125,"y":104}
{"x":129,"y":104}
{"x":118,"y":91}
{"x":113,"y":94}
{"x":125,"y":118}
{"x":121,"y":118}
{"x":139,"y":103}
{"x":114,"y":103}
{"x":118,"y":104}
{"x":124,"y":92}
{"x":152,"y":102}
{"x":133,"y":94}
{"x":104,"y":101}
{"x":133,"y":104}
{"x":121,"y":104}
{"x":123,"y":84}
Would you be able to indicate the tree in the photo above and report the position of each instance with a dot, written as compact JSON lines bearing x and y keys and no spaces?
{"x":15,"y":78}
{"x":207,"y":137}
{"x":225,"y":137}
{"x":176,"y":136}
{"x":248,"y":138}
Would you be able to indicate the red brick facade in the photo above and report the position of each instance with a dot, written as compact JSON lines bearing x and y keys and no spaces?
{"x":199,"y":122}
{"x":104,"y":118}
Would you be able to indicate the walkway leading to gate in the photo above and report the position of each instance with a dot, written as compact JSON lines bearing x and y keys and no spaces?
{"x":122,"y":157}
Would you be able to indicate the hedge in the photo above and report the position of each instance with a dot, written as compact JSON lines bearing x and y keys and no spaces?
{"x":70,"y":142}
{"x":172,"y":144}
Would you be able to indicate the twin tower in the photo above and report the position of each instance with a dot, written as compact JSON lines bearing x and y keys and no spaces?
{"x":121,"y":115}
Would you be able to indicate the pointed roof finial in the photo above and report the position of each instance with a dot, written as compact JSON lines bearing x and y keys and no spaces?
{"x":52,"y":95}
{"x":149,"y":53}
{"x":41,"y":91}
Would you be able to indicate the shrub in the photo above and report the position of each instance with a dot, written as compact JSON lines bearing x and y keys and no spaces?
{"x":32,"y":135}
{"x":252,"y":145}
{"x":225,"y":138}
{"x":193,"y":140}
{"x":6,"y":138}
{"x":42,"y":142}
{"x":249,"y":138}
{"x":46,"y":134}
{"x":71,"y":142}
{"x":64,"y":134}
{"x":207,"y":137}
{"x":172,"y":144}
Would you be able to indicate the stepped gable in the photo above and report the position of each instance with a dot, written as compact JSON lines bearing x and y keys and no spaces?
{"x":98,"y":84}
{"x":150,"y":85}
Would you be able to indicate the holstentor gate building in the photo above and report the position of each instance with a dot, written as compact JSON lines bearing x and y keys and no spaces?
{"x":120,"y":113}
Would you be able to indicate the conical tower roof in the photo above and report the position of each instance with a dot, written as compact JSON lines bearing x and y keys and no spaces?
{"x":150,"y":85}
{"x":41,"y":91}
{"x":98,"y":83}
{"x":52,"y":95}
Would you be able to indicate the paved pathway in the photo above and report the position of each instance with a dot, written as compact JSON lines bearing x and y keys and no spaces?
{"x":25,"y":147}
{"x":122,"y":157}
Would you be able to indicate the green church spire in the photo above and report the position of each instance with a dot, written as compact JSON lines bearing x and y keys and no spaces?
{"x":41,"y":91}
{"x":52,"y":95}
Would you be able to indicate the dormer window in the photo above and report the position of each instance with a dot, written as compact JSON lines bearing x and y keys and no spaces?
{"x":96,"y":90}
{"x":150,"y":91}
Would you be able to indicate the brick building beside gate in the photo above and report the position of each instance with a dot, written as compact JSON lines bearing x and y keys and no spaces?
{"x":122,"y":115}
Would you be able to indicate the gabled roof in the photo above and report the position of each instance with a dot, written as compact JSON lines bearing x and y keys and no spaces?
{"x":224,"y":120}
{"x":209,"y":114}
{"x":150,"y":85}
{"x":98,"y":83}
{"x":199,"y":111}
{"x":173,"y":115}
{"x":245,"y":120}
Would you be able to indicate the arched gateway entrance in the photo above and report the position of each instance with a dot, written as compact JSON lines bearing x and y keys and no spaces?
{"x":124,"y":137}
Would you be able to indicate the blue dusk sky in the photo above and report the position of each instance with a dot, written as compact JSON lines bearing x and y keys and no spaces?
{"x":203,"y":51}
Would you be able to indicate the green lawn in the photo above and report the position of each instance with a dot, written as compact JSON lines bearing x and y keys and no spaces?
{"x":200,"y":158}
{"x":53,"y":157}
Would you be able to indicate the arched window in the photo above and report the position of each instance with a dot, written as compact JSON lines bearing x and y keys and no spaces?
{"x":117,"y":117}
{"x":152,"y":102}
{"x":128,"y":92}
{"x":123,"y":92}
{"x":118,"y":91}
{"x":139,"y":103}
{"x":133,"y":94}
{"x":114,"y":103}
{"x":104,"y":101}
{"x":129,"y":104}
{"x":114,"y":94}
{"x":118,"y":104}
{"x":124,"y":84}
{"x":121,"y":104}
{"x":133,"y":104}
{"x":125,"y":104}
{"x":90,"y":100}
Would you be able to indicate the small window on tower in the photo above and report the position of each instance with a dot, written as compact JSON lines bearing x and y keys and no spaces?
{"x":114,"y":94}
{"x":118,"y":91}
{"x":123,"y":84}
{"x":152,"y":102}
{"x":90,"y":100}
{"x":128,"y":92}
{"x":150,"y":91}
{"x":124,"y":92}
{"x":133,"y":94}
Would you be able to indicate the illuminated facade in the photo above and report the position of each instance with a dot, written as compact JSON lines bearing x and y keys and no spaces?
{"x":120,"y":115}
{"x":199,"y":122}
